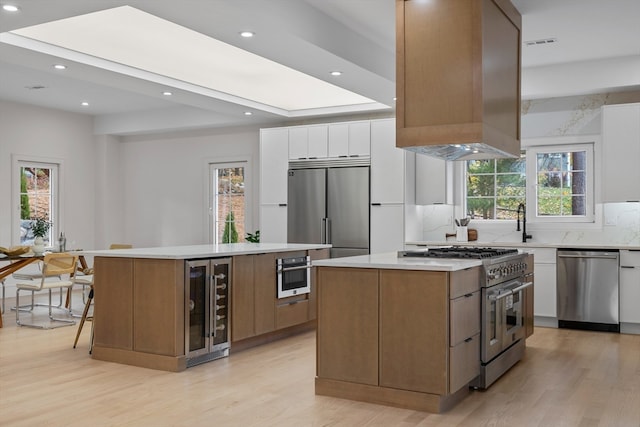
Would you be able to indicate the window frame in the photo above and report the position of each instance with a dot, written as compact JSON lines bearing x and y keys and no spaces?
{"x":532,"y":185}
{"x":210,"y":200}
{"x":554,"y":143}
{"x":57,"y":190}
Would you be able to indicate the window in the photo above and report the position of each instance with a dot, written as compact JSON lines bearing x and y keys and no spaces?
{"x":563,"y":188}
{"x":228,"y":188}
{"x":37,"y":197}
{"x":495,"y":187}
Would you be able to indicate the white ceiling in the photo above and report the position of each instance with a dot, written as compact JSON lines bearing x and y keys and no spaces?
{"x":596,"y":41}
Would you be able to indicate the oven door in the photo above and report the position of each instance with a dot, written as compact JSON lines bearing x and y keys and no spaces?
{"x":502,"y":317}
{"x":513,"y":312}
{"x":294,"y":276}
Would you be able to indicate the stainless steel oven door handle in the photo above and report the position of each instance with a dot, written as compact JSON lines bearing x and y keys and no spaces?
{"x":510,"y":291}
{"x":298,"y":267}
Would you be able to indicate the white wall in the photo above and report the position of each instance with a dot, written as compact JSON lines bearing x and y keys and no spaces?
{"x":164,"y":183}
{"x":34,"y":131}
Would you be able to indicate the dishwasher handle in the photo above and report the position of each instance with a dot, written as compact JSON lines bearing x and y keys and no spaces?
{"x":588,"y":256}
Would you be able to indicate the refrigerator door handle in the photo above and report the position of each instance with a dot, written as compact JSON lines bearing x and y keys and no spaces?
{"x":327,"y":231}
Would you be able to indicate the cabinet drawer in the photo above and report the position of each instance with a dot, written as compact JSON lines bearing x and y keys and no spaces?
{"x":464,"y":282}
{"x":464,"y":363}
{"x":630,"y":258}
{"x":292,"y":314}
{"x":464,"y":317}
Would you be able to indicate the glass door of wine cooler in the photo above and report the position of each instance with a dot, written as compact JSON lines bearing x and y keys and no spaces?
{"x":206,"y":310}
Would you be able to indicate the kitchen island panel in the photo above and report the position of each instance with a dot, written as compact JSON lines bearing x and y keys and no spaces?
{"x":348,"y":334}
{"x":158,"y":299}
{"x":265,"y":290}
{"x":242,"y":298}
{"x":414,"y":304}
{"x":113,"y":314}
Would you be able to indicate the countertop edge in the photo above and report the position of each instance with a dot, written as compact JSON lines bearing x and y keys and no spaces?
{"x":528,"y":245}
{"x":203,"y":251}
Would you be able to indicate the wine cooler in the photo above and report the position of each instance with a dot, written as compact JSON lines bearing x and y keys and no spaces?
{"x":207,"y":328}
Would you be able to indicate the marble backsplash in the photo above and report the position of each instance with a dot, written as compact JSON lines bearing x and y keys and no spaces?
{"x":618,"y":225}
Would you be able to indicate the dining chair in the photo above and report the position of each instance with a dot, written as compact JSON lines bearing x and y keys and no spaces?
{"x":61,"y":265}
{"x":85,"y":313}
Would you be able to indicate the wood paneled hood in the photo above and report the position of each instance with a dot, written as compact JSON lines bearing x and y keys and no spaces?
{"x":458,"y":78}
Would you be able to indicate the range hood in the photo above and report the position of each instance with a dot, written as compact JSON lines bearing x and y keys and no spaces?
{"x":458,"y":78}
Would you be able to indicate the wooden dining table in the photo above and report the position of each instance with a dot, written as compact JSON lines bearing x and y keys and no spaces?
{"x":20,"y":261}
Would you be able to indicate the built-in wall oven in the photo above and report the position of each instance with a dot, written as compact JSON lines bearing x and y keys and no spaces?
{"x":207,"y":320}
{"x":294,"y":276}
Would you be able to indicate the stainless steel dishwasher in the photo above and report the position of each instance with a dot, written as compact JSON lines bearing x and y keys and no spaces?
{"x":588,"y":289}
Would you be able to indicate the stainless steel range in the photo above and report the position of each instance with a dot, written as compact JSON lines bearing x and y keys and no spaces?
{"x":503,"y":284}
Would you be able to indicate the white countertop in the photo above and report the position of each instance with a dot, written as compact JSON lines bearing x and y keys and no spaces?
{"x":203,"y":251}
{"x":390,"y":260}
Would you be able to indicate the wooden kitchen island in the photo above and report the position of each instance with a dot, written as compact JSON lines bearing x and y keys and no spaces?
{"x":401,"y":332}
{"x":140,"y":303}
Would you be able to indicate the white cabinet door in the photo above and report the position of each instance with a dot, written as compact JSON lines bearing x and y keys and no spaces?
{"x":298,"y":145}
{"x":387,"y":230}
{"x":431,"y":182}
{"x":629,"y":286}
{"x":273,"y":224}
{"x":387,"y":163}
{"x":621,"y":152}
{"x":274,"y":150}
{"x":360,"y":139}
{"x":349,"y":139}
{"x":339,"y":140}
{"x":318,"y":142}
{"x":544,"y":299}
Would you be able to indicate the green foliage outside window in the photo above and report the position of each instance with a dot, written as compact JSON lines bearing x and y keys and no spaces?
{"x":230,"y":234}
{"x":495,"y":187}
{"x":25,"y":210}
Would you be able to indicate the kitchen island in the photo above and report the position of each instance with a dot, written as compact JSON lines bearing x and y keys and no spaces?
{"x":142,"y":304}
{"x":397,"y":331}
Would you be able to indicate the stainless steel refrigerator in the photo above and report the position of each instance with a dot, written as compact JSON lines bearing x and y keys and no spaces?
{"x":330,"y":205}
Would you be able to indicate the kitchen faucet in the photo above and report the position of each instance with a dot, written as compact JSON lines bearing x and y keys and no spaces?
{"x":525,"y":236}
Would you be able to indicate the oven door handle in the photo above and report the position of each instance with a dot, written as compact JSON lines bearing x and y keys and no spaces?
{"x":299,"y":267}
{"x":510,"y":291}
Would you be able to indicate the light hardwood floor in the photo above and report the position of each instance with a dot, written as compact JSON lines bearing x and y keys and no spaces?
{"x":568,"y":378}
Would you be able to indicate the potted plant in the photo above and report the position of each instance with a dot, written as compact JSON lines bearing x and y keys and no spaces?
{"x":39,"y":228}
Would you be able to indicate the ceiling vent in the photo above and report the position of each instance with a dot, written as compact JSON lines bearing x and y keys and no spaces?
{"x":540,"y":41}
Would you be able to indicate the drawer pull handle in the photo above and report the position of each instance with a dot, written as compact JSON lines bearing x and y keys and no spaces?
{"x":468,"y":295}
{"x":469,"y":339}
{"x":627,"y":266}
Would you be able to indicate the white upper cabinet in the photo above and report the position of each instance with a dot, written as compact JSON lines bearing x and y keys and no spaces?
{"x":308,"y":142}
{"x":431,"y":182}
{"x":274,"y":149}
{"x":318,"y":143}
{"x":298,"y":143}
{"x":349,"y":139}
{"x":620,"y":153}
{"x":387,"y":164}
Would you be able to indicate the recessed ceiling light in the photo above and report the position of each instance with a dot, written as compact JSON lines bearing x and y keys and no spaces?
{"x":10,"y":8}
{"x":395,"y":99}
{"x":247,"y":34}
{"x":167,"y":93}
{"x":60,"y":67}
{"x":85,"y":104}
{"x":248,"y":113}
{"x":336,"y":73}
